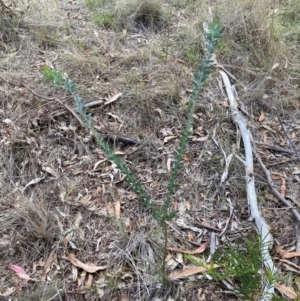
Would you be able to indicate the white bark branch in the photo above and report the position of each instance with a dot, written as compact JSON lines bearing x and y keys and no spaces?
{"x":261,"y":225}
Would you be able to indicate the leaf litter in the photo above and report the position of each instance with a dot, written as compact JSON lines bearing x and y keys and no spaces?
{"x":93,"y":210}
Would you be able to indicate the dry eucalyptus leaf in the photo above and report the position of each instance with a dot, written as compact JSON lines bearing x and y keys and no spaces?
{"x":287,"y":291}
{"x":199,"y":250}
{"x":168,"y":138}
{"x":88,"y":267}
{"x":285,"y":254}
{"x":87,"y":285}
{"x":262,"y":116}
{"x":160,"y":112}
{"x":19,"y":271}
{"x":48,"y":266}
{"x":98,"y":163}
{"x":34,"y":181}
{"x":51,"y":171}
{"x":112,"y":99}
{"x":188,"y":205}
{"x":191,"y":271}
{"x":186,"y":157}
{"x":78,"y":219}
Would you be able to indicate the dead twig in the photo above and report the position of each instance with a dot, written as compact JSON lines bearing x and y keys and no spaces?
{"x":282,"y":162}
{"x":206,"y":226}
{"x":27,"y":88}
{"x":230,"y":217}
{"x":296,"y":260}
{"x":287,"y":136}
{"x":70,"y":110}
{"x":115,"y":138}
{"x":276,"y":148}
{"x":86,"y":105}
{"x":272,"y":186}
{"x":36,"y":94}
{"x":7,"y":81}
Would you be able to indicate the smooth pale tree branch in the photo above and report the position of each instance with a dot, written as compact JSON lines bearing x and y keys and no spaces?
{"x":261,"y":225}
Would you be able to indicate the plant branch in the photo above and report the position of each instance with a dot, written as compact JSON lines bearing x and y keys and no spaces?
{"x":212,"y":37}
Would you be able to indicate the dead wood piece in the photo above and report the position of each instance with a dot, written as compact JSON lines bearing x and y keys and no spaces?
{"x":250,"y":185}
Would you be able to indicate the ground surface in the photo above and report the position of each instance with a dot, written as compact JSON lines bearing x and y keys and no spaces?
{"x":59,"y":194}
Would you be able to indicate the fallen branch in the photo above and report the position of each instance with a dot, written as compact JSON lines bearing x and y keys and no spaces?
{"x":261,"y":225}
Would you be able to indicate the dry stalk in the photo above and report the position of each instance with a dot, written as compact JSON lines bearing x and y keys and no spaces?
{"x":261,"y":225}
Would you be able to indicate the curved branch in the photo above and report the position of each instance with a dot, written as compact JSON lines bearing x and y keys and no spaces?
{"x":261,"y":225}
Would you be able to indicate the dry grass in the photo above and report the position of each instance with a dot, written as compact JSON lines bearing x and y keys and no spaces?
{"x":141,"y":14}
{"x":147,"y":50}
{"x":252,"y":33}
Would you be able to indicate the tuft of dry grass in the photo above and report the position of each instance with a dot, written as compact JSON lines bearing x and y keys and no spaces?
{"x":141,"y":14}
{"x":78,"y":62}
{"x":132,"y":15}
{"x":251,"y":34}
{"x":40,"y":222}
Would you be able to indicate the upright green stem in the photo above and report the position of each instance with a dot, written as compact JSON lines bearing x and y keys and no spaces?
{"x":165,"y":279}
{"x":200,"y":77}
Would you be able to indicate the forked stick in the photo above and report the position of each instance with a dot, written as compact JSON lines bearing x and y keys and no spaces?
{"x":261,"y":225}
